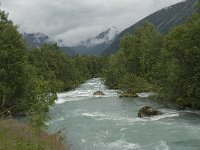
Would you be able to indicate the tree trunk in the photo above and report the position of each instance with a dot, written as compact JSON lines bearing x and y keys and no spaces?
{"x":4,"y":98}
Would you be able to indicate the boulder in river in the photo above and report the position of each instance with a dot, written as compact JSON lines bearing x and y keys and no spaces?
{"x":148,"y":111}
{"x":98,"y":93}
{"x":126,"y":94}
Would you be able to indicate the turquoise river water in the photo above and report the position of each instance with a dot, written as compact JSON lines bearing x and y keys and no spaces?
{"x":108,"y":122}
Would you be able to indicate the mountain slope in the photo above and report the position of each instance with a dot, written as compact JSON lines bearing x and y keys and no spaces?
{"x":68,"y":51}
{"x":97,"y":44}
{"x":163,"y":20}
{"x":36,"y":40}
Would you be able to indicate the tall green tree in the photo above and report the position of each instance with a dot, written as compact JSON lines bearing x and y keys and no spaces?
{"x":182,"y":62}
{"x":12,"y":60}
{"x":21,"y":87}
{"x":135,"y":64}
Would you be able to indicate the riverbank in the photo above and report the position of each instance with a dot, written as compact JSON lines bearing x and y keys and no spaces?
{"x":179,"y":104}
{"x":19,"y":136}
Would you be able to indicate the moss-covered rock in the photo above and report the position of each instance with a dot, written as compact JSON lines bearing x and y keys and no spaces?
{"x":148,"y":111}
{"x":98,"y":93}
{"x":126,"y":94}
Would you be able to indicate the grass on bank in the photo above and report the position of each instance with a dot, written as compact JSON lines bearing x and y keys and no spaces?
{"x":18,"y":136}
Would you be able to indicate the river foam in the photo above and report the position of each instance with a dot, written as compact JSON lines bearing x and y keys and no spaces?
{"x":113,"y":117}
{"x":111,"y":123}
{"x":118,"y":144}
{"x":123,"y":144}
{"x":145,"y":94}
{"x":86,"y":91}
{"x":162,"y":145}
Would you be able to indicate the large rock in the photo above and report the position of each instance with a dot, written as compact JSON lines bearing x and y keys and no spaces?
{"x":148,"y":111}
{"x":98,"y":93}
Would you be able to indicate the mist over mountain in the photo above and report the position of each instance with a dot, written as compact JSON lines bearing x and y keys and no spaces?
{"x":107,"y":42}
{"x":36,"y":40}
{"x":163,"y":20}
{"x":92,"y":46}
{"x":97,"y":44}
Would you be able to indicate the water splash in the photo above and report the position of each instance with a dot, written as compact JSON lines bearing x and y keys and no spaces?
{"x":86,"y":91}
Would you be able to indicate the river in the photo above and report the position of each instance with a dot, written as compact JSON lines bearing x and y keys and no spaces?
{"x":110,"y":123}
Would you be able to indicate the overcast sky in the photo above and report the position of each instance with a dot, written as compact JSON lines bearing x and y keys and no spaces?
{"x":77,"y":20}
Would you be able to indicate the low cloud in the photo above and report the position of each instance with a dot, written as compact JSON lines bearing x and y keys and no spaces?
{"x":77,"y":20}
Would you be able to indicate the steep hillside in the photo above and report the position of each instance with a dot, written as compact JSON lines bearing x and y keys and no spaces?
{"x":163,"y":20}
{"x":68,"y":51}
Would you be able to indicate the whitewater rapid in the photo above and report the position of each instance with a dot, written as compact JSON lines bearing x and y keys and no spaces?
{"x":86,"y":90}
{"x":110,"y":123}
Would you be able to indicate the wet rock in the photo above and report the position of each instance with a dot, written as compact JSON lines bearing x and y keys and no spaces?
{"x":98,"y":93}
{"x":148,"y":111}
{"x":126,"y":94}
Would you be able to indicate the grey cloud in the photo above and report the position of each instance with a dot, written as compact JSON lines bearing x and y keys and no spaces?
{"x":77,"y":20}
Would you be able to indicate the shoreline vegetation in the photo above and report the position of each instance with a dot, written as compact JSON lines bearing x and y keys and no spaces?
{"x":147,"y":61}
{"x":168,"y":65}
{"x":19,"y":136}
{"x":30,"y":79}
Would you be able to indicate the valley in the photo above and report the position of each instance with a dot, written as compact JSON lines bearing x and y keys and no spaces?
{"x":72,"y":80}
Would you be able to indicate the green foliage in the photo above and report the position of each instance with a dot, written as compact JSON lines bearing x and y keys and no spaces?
{"x":31,"y":79}
{"x":62,"y":71}
{"x":134,"y":84}
{"x":113,"y":71}
{"x":91,"y":66}
{"x":21,"y":86}
{"x":182,"y":61}
{"x":170,"y":64}
{"x":12,"y":60}
{"x":133,"y":67}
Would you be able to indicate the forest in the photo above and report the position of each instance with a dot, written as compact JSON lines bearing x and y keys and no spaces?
{"x":168,"y":65}
{"x":148,"y":61}
{"x":31,"y":78}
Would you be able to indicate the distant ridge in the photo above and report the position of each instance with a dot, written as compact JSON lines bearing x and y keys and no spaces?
{"x":163,"y":20}
{"x":36,"y":40}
